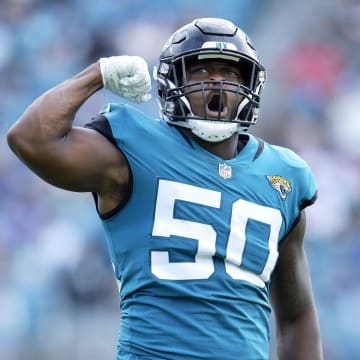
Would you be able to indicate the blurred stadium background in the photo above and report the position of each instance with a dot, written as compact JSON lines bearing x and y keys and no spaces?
{"x":58,"y":297}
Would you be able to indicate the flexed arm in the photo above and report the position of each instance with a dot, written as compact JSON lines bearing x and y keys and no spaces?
{"x":73,"y":158}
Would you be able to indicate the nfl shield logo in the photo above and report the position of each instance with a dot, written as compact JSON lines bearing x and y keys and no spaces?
{"x":225,"y":171}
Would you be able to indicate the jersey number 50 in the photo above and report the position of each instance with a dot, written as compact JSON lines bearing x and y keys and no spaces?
{"x":166,"y":225}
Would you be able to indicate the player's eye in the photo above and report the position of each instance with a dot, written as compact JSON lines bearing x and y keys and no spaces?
{"x":201,"y":70}
{"x":232,"y":74}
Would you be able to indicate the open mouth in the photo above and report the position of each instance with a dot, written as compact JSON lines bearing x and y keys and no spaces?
{"x":216,"y":106}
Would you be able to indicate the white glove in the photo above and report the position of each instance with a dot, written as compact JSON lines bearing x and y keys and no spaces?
{"x":126,"y":76}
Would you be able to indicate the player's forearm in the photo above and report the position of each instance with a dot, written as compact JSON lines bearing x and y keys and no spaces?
{"x":49,"y":118}
{"x":300,"y":340}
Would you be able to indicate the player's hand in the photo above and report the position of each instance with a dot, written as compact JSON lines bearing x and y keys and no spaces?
{"x":126,"y":76}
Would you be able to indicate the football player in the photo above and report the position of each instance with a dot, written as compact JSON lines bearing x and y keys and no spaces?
{"x":204,"y":222}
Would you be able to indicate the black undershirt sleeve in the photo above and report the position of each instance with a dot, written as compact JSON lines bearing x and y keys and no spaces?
{"x":101,"y":125}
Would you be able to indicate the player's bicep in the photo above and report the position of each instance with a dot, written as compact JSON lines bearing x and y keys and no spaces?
{"x":81,"y":161}
{"x":290,"y":289}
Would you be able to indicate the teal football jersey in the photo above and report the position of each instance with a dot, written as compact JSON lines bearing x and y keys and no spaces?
{"x":196,"y":243}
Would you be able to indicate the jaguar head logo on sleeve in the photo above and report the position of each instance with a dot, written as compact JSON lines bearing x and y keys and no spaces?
{"x":280,"y":184}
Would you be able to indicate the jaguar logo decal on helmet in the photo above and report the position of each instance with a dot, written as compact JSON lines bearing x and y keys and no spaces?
{"x":222,"y":45}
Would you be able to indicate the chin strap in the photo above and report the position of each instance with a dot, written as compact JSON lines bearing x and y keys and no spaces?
{"x":212,"y":131}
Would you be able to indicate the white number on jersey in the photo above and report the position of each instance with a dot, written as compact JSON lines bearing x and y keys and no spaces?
{"x":166,"y":225}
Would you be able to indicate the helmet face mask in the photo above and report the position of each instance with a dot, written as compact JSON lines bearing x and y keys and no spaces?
{"x":208,"y":40}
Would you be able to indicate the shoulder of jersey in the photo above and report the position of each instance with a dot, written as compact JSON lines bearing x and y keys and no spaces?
{"x":286,"y":155}
{"x":124,"y":111}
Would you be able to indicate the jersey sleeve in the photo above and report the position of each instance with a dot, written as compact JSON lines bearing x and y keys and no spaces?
{"x":310,"y":190}
{"x":100,"y":124}
{"x":114,"y":121}
{"x":301,"y":175}
{"x":307,"y":193}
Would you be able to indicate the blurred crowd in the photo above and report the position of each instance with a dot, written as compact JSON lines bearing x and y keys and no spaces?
{"x":58,"y":297}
